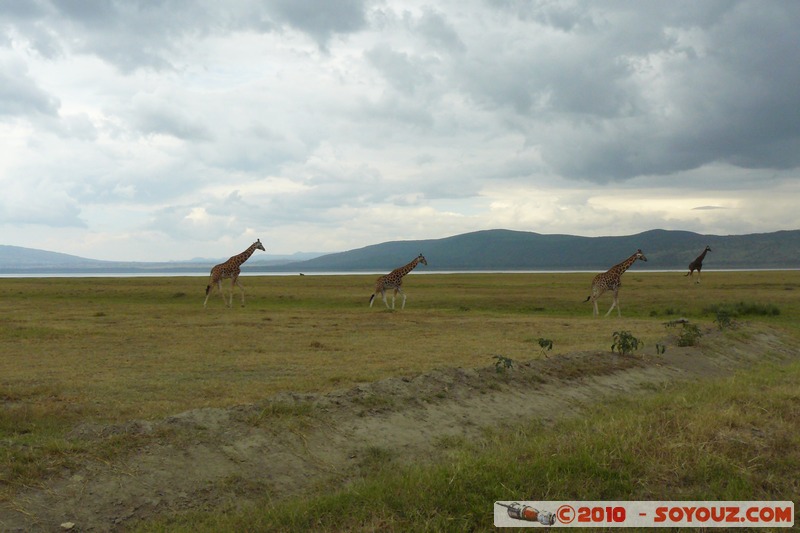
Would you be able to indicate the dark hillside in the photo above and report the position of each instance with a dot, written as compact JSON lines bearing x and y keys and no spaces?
{"x":519,"y":250}
{"x":19,"y":257}
{"x":497,"y":249}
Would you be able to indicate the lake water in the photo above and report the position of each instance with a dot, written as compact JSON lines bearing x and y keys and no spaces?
{"x":204,"y":274}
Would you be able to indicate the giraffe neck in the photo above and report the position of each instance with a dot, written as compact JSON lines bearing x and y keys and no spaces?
{"x":625,"y":265}
{"x":402,"y":271}
{"x":244,"y":256}
{"x":703,"y":255}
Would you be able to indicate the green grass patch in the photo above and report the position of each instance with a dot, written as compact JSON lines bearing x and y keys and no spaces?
{"x":744,"y":309}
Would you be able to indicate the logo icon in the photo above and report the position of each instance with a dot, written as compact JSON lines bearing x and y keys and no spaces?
{"x":529,"y":514}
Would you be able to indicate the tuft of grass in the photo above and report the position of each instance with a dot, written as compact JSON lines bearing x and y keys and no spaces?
{"x":375,"y":459}
{"x":277,"y":409}
{"x":744,"y":309}
{"x":375,"y":402}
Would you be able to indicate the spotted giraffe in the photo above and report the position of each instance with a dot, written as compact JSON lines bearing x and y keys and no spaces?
{"x":230,"y":269}
{"x":697,"y":264}
{"x":611,"y":281}
{"x":394,"y":280}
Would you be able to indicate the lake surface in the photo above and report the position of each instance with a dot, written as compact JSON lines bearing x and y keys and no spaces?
{"x":203,"y":274}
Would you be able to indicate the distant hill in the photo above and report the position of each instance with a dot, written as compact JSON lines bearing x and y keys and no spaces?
{"x":519,"y":250}
{"x":16,"y":257}
{"x":481,"y":250}
{"x":19,"y":260}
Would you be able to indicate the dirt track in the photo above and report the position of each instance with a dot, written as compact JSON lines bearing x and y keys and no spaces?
{"x":206,"y":458}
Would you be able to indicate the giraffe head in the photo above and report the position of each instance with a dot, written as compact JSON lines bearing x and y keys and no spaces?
{"x":421,"y":259}
{"x":259,"y":246}
{"x":708,"y":248}
{"x":640,"y":255}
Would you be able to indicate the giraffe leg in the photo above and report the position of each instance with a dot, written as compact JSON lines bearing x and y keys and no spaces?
{"x":208,"y":293}
{"x":403,"y":306}
{"x":224,"y":298}
{"x":613,"y":305}
{"x":596,"y":292}
{"x":383,"y":293}
{"x":394,"y":294}
{"x":241,"y":289}
{"x":221,"y":292}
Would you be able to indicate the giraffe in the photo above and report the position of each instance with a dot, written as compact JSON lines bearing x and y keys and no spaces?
{"x":697,"y":264}
{"x":611,"y":280}
{"x":394,"y":280}
{"x":230,"y":269}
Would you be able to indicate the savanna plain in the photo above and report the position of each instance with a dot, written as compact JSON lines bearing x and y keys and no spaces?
{"x":129,"y":406}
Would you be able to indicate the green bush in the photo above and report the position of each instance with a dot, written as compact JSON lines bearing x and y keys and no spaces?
{"x":545,"y":344}
{"x":689,"y":335}
{"x":503,"y":363}
{"x":625,"y":343}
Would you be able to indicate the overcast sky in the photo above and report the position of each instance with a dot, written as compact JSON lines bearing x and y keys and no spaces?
{"x":172,"y":129}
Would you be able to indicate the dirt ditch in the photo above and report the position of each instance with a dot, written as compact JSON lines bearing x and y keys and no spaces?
{"x":213,"y":458}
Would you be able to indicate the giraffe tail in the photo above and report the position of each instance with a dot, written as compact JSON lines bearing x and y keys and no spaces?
{"x":208,"y":288}
{"x":371,"y":298}
{"x":587,"y":298}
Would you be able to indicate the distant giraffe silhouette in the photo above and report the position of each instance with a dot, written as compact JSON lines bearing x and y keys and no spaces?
{"x":394,"y":280}
{"x":230,"y":269}
{"x":697,"y":264}
{"x":611,"y":281}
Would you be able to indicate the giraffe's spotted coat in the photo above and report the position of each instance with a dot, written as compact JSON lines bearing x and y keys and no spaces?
{"x":394,"y":281}
{"x":230,"y":269}
{"x":611,"y":280}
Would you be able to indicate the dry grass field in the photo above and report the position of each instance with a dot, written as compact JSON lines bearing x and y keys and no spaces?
{"x":112,"y":349}
{"x":79,"y":351}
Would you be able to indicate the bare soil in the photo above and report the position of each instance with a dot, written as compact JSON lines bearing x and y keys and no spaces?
{"x":290,"y":443}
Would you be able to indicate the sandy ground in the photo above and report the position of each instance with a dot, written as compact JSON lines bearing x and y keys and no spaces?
{"x":212,"y":458}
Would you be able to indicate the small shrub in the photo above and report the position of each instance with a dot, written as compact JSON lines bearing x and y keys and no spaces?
{"x":503,"y":363}
{"x":545,"y":344}
{"x":724,"y":319}
{"x":660,"y":348}
{"x":689,"y":335}
{"x":625,"y":343}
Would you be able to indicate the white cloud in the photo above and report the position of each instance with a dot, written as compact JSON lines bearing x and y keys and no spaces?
{"x":179,"y":129}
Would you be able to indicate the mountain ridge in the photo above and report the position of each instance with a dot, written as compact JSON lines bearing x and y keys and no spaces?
{"x":502,"y":249}
{"x":493,"y":249}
